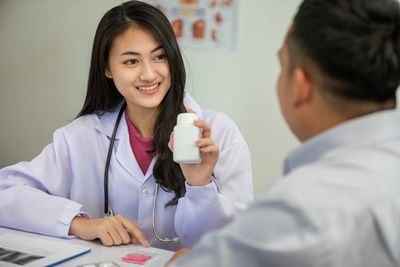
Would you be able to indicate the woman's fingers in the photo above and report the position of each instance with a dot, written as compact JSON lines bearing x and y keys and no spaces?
{"x":118,"y":230}
{"x":106,"y":239}
{"x":114,"y":230}
{"x":133,"y":239}
{"x":124,"y":237}
{"x":204,"y":142}
{"x":116,"y":238}
{"x":206,"y":128}
{"x":209,"y":149}
{"x":135,"y":231}
{"x":171,"y":142}
{"x":207,"y":145}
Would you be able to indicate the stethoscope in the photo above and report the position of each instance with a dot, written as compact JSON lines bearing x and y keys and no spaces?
{"x":107,"y":210}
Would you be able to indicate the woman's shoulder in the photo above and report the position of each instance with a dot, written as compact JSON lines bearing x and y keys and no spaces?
{"x":217,"y":118}
{"x":214,"y":118}
{"x":81,"y":129}
{"x":85,"y":122}
{"x":223,"y":128}
{"x":89,"y":124}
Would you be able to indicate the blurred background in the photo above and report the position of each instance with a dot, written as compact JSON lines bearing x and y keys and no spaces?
{"x":45,"y":50}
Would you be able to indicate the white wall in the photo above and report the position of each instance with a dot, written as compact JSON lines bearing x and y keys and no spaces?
{"x":242,"y":84}
{"x":45,"y":49}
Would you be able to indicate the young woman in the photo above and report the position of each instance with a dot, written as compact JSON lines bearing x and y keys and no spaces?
{"x":115,"y":159}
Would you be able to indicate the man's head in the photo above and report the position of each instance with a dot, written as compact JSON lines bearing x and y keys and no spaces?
{"x":340,"y":59}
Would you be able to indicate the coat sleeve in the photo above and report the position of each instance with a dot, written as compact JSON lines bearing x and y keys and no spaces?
{"x":34,"y":195}
{"x":206,"y":208}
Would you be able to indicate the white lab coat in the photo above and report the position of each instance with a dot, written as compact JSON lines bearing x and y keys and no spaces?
{"x":66,"y":179}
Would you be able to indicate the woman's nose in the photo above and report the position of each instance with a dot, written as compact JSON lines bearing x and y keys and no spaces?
{"x":147,"y":74}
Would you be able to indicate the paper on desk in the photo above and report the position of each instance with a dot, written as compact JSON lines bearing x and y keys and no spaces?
{"x":16,"y":250}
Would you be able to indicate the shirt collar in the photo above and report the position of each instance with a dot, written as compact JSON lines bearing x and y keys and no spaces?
{"x":363,"y":130}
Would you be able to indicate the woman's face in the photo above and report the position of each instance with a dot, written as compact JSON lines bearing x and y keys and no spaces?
{"x":139,"y":68}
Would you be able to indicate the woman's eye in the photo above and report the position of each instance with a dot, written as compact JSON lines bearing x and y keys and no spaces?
{"x":160,"y":57}
{"x":131,"y":62}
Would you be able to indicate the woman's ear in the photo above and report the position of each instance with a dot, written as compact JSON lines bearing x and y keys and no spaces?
{"x":107,"y":72}
{"x":303,"y":87}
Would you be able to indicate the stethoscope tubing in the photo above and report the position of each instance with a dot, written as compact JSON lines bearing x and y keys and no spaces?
{"x":107,"y":210}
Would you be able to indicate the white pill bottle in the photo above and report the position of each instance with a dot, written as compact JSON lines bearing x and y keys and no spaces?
{"x":185,"y":136}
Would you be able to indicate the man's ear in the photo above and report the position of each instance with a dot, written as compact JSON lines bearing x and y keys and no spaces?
{"x":107,"y":72}
{"x":303,"y":87}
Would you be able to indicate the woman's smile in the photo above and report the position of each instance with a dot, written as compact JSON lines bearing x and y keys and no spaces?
{"x":149,"y":90}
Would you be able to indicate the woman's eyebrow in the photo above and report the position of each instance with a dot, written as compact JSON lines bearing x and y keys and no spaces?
{"x":138,"y":54}
{"x":157,"y":48}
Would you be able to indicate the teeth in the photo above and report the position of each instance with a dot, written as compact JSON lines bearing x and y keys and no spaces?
{"x":148,"y":88}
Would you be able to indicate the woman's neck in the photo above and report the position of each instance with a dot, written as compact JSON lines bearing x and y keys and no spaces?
{"x":143,"y":120}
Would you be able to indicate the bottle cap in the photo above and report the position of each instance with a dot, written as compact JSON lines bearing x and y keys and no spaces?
{"x":186,"y":118}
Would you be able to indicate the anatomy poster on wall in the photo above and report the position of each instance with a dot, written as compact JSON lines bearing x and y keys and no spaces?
{"x":202,"y":24}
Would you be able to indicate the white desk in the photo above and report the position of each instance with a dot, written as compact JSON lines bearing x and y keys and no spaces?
{"x":101,"y":253}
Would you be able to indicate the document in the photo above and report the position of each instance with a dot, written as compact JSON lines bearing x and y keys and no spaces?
{"x":17,"y":250}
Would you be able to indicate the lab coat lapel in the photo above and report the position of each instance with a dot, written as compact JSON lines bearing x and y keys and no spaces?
{"x":122,"y":147}
{"x":124,"y":152}
{"x":149,"y":172}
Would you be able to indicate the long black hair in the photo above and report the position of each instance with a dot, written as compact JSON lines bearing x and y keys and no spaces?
{"x":102,"y":95}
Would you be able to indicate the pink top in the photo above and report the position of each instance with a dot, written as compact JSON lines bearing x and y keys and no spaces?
{"x":139,"y":145}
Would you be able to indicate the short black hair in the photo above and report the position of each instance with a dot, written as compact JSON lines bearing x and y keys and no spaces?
{"x":354,"y":43}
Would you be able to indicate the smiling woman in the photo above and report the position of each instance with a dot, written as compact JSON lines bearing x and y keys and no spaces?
{"x":139,"y":68}
{"x":136,"y":89}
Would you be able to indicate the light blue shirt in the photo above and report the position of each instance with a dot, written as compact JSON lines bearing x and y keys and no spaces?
{"x":66,"y":179}
{"x":338,"y":205}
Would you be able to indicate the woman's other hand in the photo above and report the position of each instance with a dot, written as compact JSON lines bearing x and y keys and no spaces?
{"x":200,"y":174}
{"x":112,"y":231}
